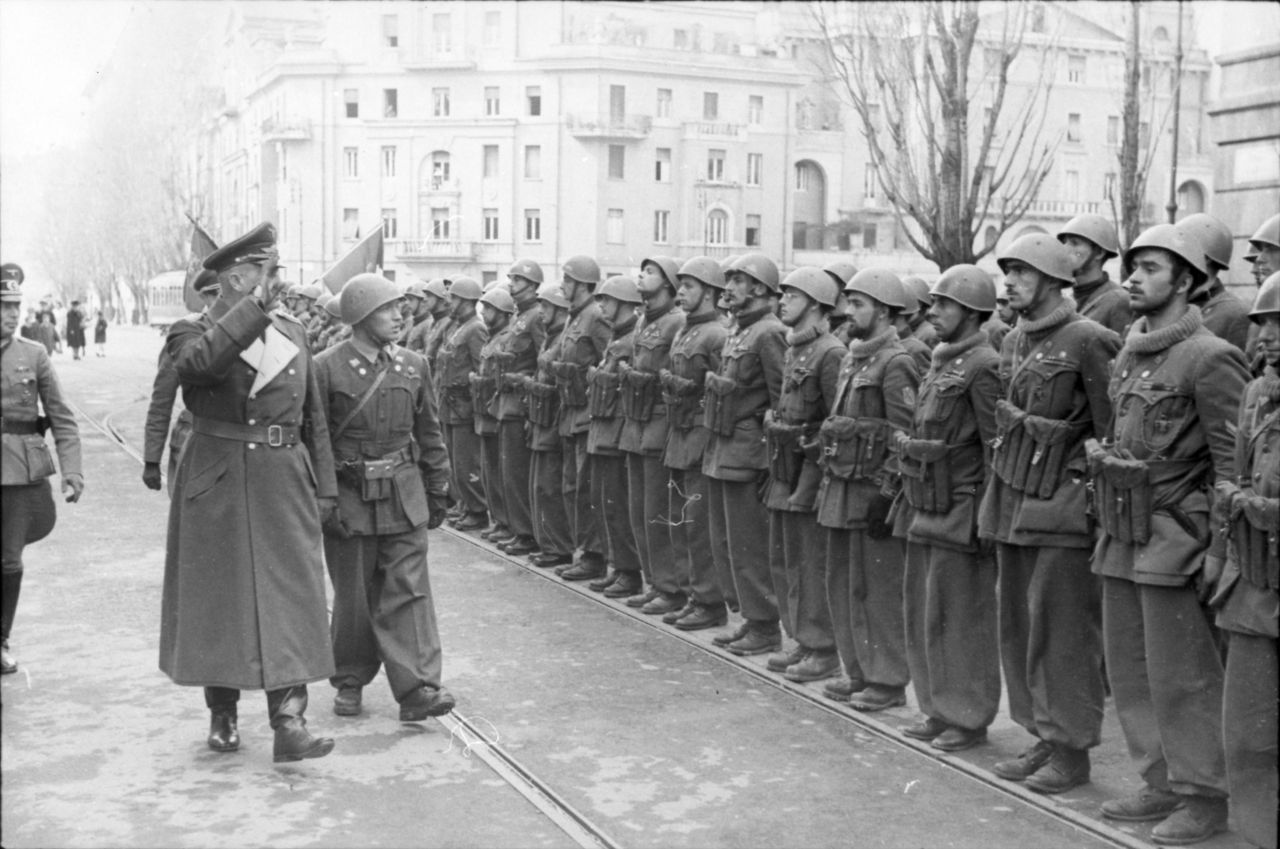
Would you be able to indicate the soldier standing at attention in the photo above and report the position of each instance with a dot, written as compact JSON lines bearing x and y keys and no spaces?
{"x":496,"y":309}
{"x":1247,"y":594}
{"x":551,"y":526}
{"x":1091,"y":241}
{"x":28,"y":510}
{"x":1054,"y":366}
{"x":949,"y":593}
{"x":905,"y":323}
{"x":644,"y":437}
{"x":437,"y":294}
{"x":244,"y":603}
{"x":435,"y":303}
{"x":875,"y":398}
{"x":1225,"y":315}
{"x":1176,"y":391}
{"x":393,"y":482}
{"x":457,"y":360}
{"x":701,"y":562}
{"x":747,"y":384}
{"x":796,"y":553}
{"x":918,"y":290}
{"x":1264,"y":253}
{"x":418,"y":325}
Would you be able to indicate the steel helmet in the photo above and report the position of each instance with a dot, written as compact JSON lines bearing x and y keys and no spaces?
{"x":554,"y":295}
{"x":1096,"y":229}
{"x":705,"y":270}
{"x":415,"y":289}
{"x":465,"y":288}
{"x":528,"y":269}
{"x":1213,"y":236}
{"x":1169,"y":238}
{"x":919,"y":290}
{"x":1268,"y":300}
{"x":500,"y":299}
{"x":1043,"y":253}
{"x":841,"y":270}
{"x":333,"y":307}
{"x":814,"y":282}
{"x":311,"y":291}
{"x":758,"y":267}
{"x":436,"y":287}
{"x":621,"y":288}
{"x":967,"y":285}
{"x":881,"y":285}
{"x":1268,"y":234}
{"x":324,"y":299}
{"x":670,"y":267}
{"x":365,"y":293}
{"x":291,"y":292}
{"x":583,"y":269}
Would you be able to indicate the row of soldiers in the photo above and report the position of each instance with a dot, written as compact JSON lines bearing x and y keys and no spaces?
{"x":904,"y":499}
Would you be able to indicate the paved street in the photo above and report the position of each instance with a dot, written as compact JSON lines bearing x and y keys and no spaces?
{"x":655,"y":738}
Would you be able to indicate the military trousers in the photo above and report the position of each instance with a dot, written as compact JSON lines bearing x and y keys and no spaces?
{"x":550,"y":522}
{"x":1166,"y":677}
{"x":648,"y":496}
{"x":588,"y":532}
{"x":464,"y":459}
{"x":28,"y":516}
{"x":699,"y":563}
{"x":1051,"y":642}
{"x":953,"y":646}
{"x":515,"y":464}
{"x":797,"y":565}
{"x":864,"y":591}
{"x":609,"y":498}
{"x":491,"y":479}
{"x":735,"y":511}
{"x":1249,"y":735}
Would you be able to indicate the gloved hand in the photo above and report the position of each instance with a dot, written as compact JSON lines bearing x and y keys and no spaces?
{"x":877,"y":514}
{"x":151,"y":475}
{"x":438,"y":504}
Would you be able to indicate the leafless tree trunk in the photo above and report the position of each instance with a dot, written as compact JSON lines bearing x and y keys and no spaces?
{"x":1132,"y":179}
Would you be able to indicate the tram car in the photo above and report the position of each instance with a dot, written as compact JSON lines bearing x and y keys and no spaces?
{"x":166,"y":293}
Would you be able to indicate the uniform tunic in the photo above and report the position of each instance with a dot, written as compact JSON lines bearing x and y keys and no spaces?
{"x":1106,"y":302}
{"x":1226,"y":316}
{"x":484,"y":398}
{"x":604,"y":435}
{"x":457,"y":359}
{"x":518,"y":351}
{"x":416,"y":341}
{"x":551,"y":525}
{"x":243,"y":603}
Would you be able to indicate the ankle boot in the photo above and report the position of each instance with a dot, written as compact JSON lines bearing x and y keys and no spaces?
{"x":224,"y":735}
{"x":293,"y":741}
{"x":10,"y":585}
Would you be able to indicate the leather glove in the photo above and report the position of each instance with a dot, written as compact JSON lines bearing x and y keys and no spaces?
{"x":877,"y":514}
{"x":438,"y":504}
{"x":151,"y":475}
{"x":72,"y":487}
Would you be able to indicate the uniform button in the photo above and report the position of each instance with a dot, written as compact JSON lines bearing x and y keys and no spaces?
{"x":252,"y":445}
{"x":1039,"y":356}
{"x":253,"y":421}
{"x":291,"y":371}
{"x":1145,"y":374}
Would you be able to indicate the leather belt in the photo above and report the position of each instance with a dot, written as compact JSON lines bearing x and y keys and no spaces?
{"x":275,"y":436}
{"x":18,"y":427}
{"x":400,"y":455}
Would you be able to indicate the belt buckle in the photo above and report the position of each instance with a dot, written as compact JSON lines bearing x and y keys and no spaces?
{"x":275,"y":436}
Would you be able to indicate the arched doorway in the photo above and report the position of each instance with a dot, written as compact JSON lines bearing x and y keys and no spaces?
{"x":1191,"y":195}
{"x":809,"y":202}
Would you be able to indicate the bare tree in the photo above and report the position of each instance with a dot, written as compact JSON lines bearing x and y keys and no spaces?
{"x":908,"y":70}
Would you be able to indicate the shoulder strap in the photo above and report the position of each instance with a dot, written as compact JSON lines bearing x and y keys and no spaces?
{"x":364,"y":399}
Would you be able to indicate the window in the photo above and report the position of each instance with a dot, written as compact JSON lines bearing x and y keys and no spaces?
{"x":1037,"y":18}
{"x":492,"y":28}
{"x":440,"y":102}
{"x":988,"y":178}
{"x":391,"y":30}
{"x":390,"y":225}
{"x":802,"y":178}
{"x":613,"y":227}
{"x":351,"y":97}
{"x":440,"y":222}
{"x":755,"y":166}
{"x":533,"y":225}
{"x":1075,"y":69}
{"x":351,"y":162}
{"x":491,"y":102}
{"x":389,"y":102}
{"x":1113,"y":129}
{"x":1071,"y":185}
{"x":439,"y":169}
{"x":868,"y":181}
{"x":441,"y":29}
{"x":661,"y":222}
{"x":617,"y":103}
{"x":710,"y":106}
{"x":681,"y":39}
{"x":389,"y":161}
{"x":664,"y":103}
{"x":617,"y":162}
{"x":869,"y":237}
{"x":715,"y":165}
{"x":875,"y":117}
{"x":1109,"y":185}
{"x":753,"y":231}
{"x":717,"y":227}
{"x":1160,"y":34}
{"x":533,"y":99}
{"x":1144,"y":134}
{"x":1073,"y":127}
{"x":991,"y":61}
{"x":350,"y":223}
{"x":662,"y":165}
{"x":533,"y":162}
{"x":490,"y":225}
{"x":755,"y":109}
{"x":490,"y":160}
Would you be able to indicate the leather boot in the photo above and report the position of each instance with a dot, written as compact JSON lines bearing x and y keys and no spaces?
{"x":723,"y":640}
{"x":224,"y":733}
{"x":599,"y":585}
{"x":842,"y":688}
{"x":760,"y":638}
{"x":1067,"y":768}
{"x":424,"y":702}
{"x":703,"y":616}
{"x":675,"y":615}
{"x":1198,"y":819}
{"x":10,"y":586}
{"x":1025,"y":764}
{"x":814,"y":666}
{"x":625,"y":585}
{"x":779,"y":662}
{"x":926,"y":729}
{"x":293,"y":741}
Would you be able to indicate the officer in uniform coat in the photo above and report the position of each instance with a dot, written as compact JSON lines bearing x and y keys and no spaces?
{"x":1176,"y":391}
{"x":393,"y":482}
{"x":244,"y":604}
{"x":1225,"y":315}
{"x":27,"y":384}
{"x":551,"y":524}
{"x":1091,"y":241}
{"x":458,"y":358}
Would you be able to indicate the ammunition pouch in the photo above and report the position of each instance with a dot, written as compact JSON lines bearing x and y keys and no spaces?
{"x":374,"y":477}
{"x":457,"y":397}
{"x":1032,"y":451}
{"x":786,"y":456}
{"x":640,"y":393}
{"x":854,"y":449}
{"x":1254,"y":535}
{"x":603,"y":388}
{"x":484,"y":391}
{"x":721,"y":412}
{"x":926,"y":474}
{"x":1125,"y":492}
{"x":683,"y":400}
{"x":571,"y":382}
{"x":544,"y":404}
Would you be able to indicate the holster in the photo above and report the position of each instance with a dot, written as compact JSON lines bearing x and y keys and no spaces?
{"x":1255,"y":541}
{"x":1123,"y":494}
{"x":926,"y":474}
{"x":602,"y":394}
{"x":720,"y":414}
{"x":786,"y":458}
{"x":1032,"y":451}
{"x":571,"y":382}
{"x":543,"y":404}
{"x":640,"y":393}
{"x":854,"y":449}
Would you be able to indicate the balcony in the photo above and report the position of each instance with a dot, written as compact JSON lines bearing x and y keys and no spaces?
{"x":692,"y":249}
{"x":608,"y":127}
{"x":438,"y":249}
{"x":286,"y":129}
{"x":1064,"y":208}
{"x":435,"y":59}
{"x":442,"y":186}
{"x":713,"y":130}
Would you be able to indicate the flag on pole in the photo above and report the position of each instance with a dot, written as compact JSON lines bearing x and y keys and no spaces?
{"x":365,"y":256}
{"x":201,"y":247}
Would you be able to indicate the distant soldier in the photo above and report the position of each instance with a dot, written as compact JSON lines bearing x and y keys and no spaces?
{"x":841,"y":272}
{"x":953,"y":650}
{"x":28,"y":509}
{"x":442,"y":321}
{"x":1176,"y":391}
{"x":1264,"y":247}
{"x":1091,"y":241}
{"x":551,"y":524}
{"x":1054,"y":366}
{"x":393,"y":486}
{"x":920,"y":327}
{"x":496,"y":309}
{"x":1001,"y":321}
{"x":457,"y":360}
{"x":1224,"y":315}
{"x":336,"y":331}
{"x":1247,"y":595}
{"x":907,"y":323}
{"x":418,"y":320}
{"x":435,"y":301}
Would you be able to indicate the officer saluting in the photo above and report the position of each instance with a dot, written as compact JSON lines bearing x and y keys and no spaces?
{"x":27,"y":498}
{"x":243,"y":604}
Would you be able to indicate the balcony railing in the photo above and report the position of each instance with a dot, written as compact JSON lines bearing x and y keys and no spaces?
{"x":1063,"y":208}
{"x":430,"y":58}
{"x":432,"y":248}
{"x":609,"y":126}
{"x":692,"y":249}
{"x":713,"y":129}
{"x":443,"y":185}
{"x":286,"y":129}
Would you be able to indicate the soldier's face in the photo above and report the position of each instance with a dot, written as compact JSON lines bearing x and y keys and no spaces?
{"x":865,"y":315}
{"x":609,"y":308}
{"x":690,"y":294}
{"x":738,"y":290}
{"x":548,"y":311}
{"x":1081,"y":251}
{"x":651,"y":280}
{"x":1006,"y":313}
{"x":10,"y":313}
{"x":948,"y":318}
{"x":1269,"y":339}
{"x":1267,"y":263}
{"x":1152,"y":284}
{"x":1023,"y":284}
{"x":794,"y":306}
{"x":383,"y":324}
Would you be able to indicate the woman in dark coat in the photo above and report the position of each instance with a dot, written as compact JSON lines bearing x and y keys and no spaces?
{"x":75,"y":329}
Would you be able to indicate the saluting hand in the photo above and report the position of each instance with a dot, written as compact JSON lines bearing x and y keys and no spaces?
{"x":72,"y":487}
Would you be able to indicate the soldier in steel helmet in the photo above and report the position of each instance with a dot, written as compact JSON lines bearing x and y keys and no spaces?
{"x":417,"y":319}
{"x":1264,"y":253}
{"x":28,"y":509}
{"x":1225,"y":315}
{"x":921,"y":329}
{"x":1092,"y":241}
{"x":496,"y":309}
{"x":949,"y":591}
{"x":393,"y":486}
{"x":457,"y":359}
{"x":908,"y":323}
{"x":1054,"y":366}
{"x":1176,"y":391}
{"x":337,"y":330}
{"x":441,"y":321}
{"x":434,"y":301}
